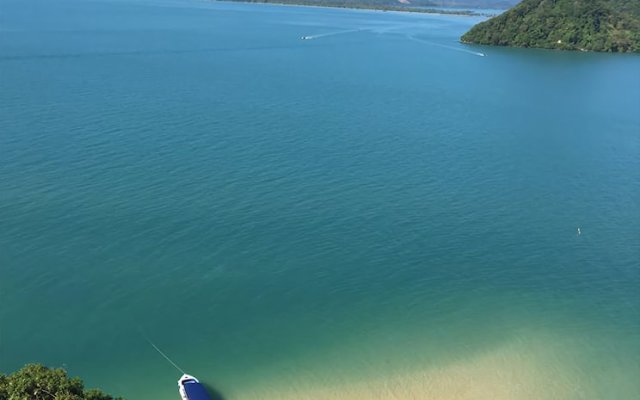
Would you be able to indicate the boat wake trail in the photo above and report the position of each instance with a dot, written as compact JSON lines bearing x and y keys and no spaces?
{"x":160,"y":351}
{"x":322,"y":35}
{"x":475,"y":53}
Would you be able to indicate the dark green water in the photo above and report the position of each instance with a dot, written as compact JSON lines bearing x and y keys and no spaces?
{"x":278,"y":213}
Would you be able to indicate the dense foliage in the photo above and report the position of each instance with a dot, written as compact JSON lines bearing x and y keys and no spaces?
{"x":589,"y":25}
{"x":37,"y":382}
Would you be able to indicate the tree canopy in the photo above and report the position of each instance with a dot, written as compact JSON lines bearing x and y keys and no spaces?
{"x":588,"y":25}
{"x":37,"y":382}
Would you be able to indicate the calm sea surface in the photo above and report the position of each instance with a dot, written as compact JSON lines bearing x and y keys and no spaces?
{"x":376,"y":202}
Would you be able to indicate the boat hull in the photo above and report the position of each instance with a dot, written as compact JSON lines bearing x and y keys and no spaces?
{"x":190,"y":388}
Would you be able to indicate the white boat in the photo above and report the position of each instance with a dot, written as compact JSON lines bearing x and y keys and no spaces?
{"x":190,"y":388}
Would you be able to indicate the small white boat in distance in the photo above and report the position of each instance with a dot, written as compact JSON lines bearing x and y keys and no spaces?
{"x":191,"y":389}
{"x":306,"y":37}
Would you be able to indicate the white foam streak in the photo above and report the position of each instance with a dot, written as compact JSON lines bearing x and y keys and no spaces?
{"x":475,"y":53}
{"x":322,"y":35}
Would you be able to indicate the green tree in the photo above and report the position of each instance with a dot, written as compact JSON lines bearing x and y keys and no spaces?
{"x":37,"y":382}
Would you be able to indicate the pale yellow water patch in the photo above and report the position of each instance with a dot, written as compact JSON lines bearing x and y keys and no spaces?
{"x":523,"y":369}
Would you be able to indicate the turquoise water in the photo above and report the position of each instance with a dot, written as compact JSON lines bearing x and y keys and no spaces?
{"x":276,"y":213}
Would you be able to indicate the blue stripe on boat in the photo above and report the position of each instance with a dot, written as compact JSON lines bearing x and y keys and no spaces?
{"x":195,"y":391}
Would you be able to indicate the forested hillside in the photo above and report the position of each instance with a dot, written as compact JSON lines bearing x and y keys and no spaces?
{"x":589,"y":25}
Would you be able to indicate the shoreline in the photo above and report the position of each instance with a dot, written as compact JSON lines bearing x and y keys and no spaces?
{"x":392,"y":9}
{"x":523,"y":368}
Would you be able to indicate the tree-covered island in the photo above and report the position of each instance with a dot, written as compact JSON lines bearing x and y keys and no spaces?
{"x":457,"y":7}
{"x":587,"y":25}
